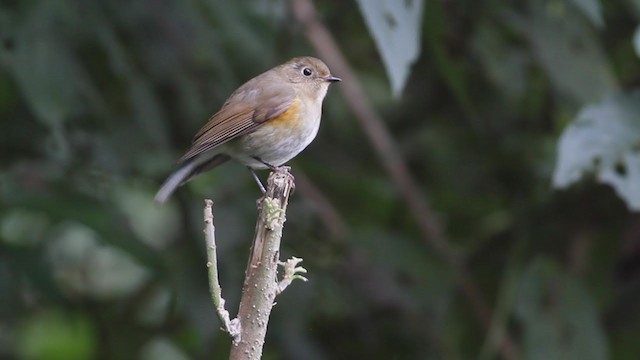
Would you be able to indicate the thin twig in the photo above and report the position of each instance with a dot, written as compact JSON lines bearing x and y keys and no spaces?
{"x":391,"y":159}
{"x":232,"y":327}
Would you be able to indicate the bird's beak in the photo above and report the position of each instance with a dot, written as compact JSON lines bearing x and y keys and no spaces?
{"x":332,"y":78}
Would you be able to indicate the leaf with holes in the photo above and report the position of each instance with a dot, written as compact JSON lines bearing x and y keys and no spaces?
{"x":395,"y":26}
{"x":605,"y":140}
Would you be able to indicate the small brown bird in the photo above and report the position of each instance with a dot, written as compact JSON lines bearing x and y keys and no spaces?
{"x":265,"y":123}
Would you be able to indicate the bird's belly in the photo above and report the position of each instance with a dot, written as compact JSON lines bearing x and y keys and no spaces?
{"x":275,"y":143}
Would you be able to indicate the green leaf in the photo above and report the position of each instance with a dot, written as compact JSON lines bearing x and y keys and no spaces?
{"x":568,"y":50}
{"x":155,"y":226}
{"x":559,"y":319}
{"x":504,"y":65}
{"x":395,"y":26}
{"x":83,"y":265}
{"x":51,"y":78}
{"x":604,"y":139}
{"x":23,"y":227}
{"x":52,"y":335}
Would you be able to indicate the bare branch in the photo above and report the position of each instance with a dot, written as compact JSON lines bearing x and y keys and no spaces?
{"x":260,"y":285}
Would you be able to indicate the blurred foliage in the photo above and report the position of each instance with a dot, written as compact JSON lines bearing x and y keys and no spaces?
{"x":99,"y":98}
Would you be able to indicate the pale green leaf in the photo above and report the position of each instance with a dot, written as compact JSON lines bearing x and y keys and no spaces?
{"x":82,"y":264}
{"x":395,"y":26}
{"x":155,"y":226}
{"x":160,"y":348}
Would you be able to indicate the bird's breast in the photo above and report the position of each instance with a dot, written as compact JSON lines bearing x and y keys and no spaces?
{"x":283,"y":137}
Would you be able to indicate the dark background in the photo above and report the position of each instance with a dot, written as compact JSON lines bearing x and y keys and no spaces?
{"x":99,"y":98}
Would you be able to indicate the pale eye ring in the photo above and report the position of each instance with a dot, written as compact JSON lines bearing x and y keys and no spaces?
{"x":307,"y":71}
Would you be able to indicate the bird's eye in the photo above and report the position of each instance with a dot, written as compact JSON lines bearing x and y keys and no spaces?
{"x":307,"y":72}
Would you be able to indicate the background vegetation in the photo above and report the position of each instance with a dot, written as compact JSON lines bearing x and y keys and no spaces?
{"x":505,"y":101}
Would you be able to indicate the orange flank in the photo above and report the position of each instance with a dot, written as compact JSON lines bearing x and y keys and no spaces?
{"x":289,"y":118}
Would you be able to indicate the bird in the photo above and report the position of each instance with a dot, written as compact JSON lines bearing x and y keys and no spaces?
{"x":262,"y":125}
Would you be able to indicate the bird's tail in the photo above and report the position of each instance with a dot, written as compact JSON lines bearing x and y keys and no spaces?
{"x":174,"y":180}
{"x":186,"y":172}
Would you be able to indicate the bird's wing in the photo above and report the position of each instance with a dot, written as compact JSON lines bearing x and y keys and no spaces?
{"x":245,"y":110}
